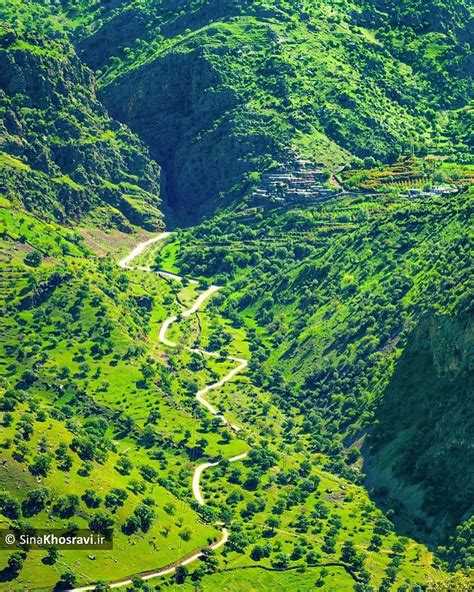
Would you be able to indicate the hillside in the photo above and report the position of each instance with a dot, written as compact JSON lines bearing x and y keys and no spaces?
{"x":276,"y":393}
{"x":88,"y":420}
{"x":245,"y":85}
{"x":62,"y":156}
{"x":422,"y":425}
{"x":219,"y":90}
{"x":332,"y":296}
{"x":97,"y":431}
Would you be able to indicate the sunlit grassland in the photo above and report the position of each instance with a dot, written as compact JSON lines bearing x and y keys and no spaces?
{"x":256,"y":579}
{"x":346,"y":501}
{"x":159,"y":546}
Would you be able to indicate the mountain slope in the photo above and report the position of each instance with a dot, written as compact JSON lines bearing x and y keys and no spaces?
{"x":425,"y":418}
{"x":331,"y":295}
{"x":221,"y":89}
{"x":226,"y":88}
{"x":91,"y":436}
{"x":351,"y":304}
{"x":61,"y":154}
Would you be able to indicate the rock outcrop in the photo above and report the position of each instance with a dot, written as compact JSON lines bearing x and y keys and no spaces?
{"x":421,"y":446}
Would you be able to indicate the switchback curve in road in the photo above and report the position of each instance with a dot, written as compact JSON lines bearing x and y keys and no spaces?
{"x":241,"y":365}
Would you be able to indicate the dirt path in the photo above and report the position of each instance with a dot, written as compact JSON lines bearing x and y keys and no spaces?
{"x":241,"y":365}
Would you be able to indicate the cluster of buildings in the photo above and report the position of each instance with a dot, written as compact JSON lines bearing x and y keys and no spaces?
{"x":307,"y":183}
{"x":433,"y":191}
{"x":302,"y":184}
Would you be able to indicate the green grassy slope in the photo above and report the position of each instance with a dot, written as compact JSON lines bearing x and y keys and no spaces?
{"x":80,"y":411}
{"x":78,"y":399}
{"x":83,"y":388}
{"x":353,"y":311}
{"x":331,"y":296}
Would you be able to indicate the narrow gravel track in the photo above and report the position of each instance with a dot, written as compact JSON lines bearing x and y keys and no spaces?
{"x":241,"y":365}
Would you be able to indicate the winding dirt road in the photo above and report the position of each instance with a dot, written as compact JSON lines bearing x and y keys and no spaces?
{"x":242,"y":364}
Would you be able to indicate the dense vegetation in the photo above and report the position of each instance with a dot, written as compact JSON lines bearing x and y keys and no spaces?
{"x":353,"y":309}
{"x":81,"y":406}
{"x":93,"y":399}
{"x":329,"y":81}
{"x":245,"y":85}
{"x":332,"y":295}
{"x":61,"y":154}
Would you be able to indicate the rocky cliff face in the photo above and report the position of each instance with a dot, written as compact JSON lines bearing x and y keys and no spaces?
{"x":194,"y":124}
{"x":59,"y":144}
{"x":421,"y":446}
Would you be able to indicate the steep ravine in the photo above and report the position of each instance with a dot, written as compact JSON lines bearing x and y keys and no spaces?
{"x":193,"y":125}
{"x":218,"y":89}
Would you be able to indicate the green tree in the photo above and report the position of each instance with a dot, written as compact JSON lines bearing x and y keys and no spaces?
{"x":68,"y":580}
{"x":181,"y":574}
{"x":281,"y":561}
{"x":66,"y":506}
{"x":36,"y":500}
{"x":9,"y":507}
{"x":115,"y":499}
{"x":91,"y":498}
{"x":15,"y":562}
{"x":41,"y":465}
{"x":52,"y":555}
{"x":272,"y":523}
{"x":124,"y":465}
{"x":145,"y":516}
{"x":101,"y":523}
{"x":34,"y":259}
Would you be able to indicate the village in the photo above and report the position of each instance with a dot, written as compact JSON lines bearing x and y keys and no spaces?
{"x":309,"y":182}
{"x":306,"y":182}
